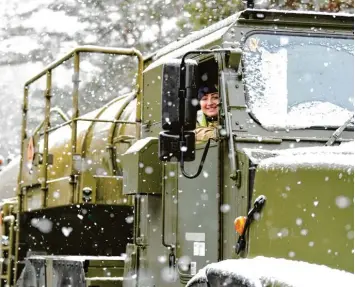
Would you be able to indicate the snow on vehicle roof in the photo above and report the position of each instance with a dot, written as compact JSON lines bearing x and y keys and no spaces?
{"x":139,"y":145}
{"x":197,"y":35}
{"x":302,"y":12}
{"x":341,"y":156}
{"x":264,"y":271}
{"x":165,"y":60}
{"x":194,"y":45}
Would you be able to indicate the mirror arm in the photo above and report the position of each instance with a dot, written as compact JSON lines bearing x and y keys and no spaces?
{"x":204,"y":155}
{"x":182,"y":96}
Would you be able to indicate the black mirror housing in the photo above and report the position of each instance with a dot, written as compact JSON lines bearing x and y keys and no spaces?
{"x":170,"y":148}
{"x":179,"y":111}
{"x":191,"y":100}
{"x":171,"y":97}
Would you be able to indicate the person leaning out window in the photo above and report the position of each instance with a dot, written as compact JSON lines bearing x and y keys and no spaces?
{"x":207,"y":117}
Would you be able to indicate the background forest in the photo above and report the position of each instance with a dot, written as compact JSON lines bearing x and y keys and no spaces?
{"x":33,"y":33}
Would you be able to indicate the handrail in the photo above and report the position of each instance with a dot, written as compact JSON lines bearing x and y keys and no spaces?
{"x":46,"y":136}
{"x":89,"y":120}
{"x":86,"y":49}
{"x":47,"y":71}
{"x":75,"y":54}
{"x":57,"y":110}
{"x":112,"y":132}
{"x":7,"y":218}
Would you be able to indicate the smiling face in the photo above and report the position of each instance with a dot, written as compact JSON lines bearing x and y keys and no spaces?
{"x":209,"y":104}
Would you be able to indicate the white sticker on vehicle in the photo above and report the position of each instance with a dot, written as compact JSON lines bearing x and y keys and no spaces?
{"x":199,"y":248}
{"x":193,"y":268}
{"x":194,"y":236}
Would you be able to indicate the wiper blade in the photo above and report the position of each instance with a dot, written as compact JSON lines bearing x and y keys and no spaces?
{"x":338,"y":132}
{"x":329,"y":128}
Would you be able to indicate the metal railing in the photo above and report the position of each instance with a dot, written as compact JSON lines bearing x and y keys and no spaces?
{"x":75,"y":54}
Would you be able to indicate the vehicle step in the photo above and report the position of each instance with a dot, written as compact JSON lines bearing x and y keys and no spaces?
{"x":120,"y":279}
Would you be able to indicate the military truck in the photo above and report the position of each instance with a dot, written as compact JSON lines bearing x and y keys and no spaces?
{"x":123,"y":196}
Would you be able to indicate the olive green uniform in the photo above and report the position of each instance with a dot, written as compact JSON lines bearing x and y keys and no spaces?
{"x":205,"y":129}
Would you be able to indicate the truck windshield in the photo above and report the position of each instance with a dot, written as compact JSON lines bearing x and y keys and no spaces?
{"x":294,"y":81}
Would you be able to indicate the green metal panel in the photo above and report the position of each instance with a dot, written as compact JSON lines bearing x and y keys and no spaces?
{"x":60,"y":196}
{"x":235,"y":199}
{"x":109,"y":191}
{"x":170,"y":189}
{"x":142,"y":168}
{"x":154,"y":258}
{"x":152,"y":96}
{"x":198,"y":213}
{"x":157,"y":231}
{"x":104,"y":273}
{"x":308,"y":215}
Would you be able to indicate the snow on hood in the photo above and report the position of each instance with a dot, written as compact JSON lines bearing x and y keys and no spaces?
{"x":304,"y":115}
{"x":315,"y":113}
{"x":263,"y":271}
{"x":341,"y":156}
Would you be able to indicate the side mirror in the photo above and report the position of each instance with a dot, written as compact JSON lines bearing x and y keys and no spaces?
{"x":179,"y":111}
{"x":179,"y":108}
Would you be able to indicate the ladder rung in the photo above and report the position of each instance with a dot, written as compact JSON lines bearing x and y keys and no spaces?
{"x":5,"y":247}
{"x":3,"y":276}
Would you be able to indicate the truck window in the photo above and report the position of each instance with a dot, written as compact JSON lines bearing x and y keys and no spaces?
{"x":299,"y":81}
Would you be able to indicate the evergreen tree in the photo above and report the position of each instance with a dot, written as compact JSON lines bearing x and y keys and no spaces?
{"x":202,"y":13}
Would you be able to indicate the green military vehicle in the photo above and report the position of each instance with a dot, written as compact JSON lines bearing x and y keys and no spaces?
{"x":123,"y":196}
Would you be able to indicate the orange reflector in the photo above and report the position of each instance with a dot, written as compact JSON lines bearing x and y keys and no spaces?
{"x":239,"y":224}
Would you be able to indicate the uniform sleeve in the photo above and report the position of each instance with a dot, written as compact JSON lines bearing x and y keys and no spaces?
{"x":205,"y":133}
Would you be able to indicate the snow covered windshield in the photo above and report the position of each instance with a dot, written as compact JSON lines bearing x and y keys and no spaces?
{"x":295,"y":81}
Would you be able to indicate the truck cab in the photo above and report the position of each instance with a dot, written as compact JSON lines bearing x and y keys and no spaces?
{"x":283,"y":158}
